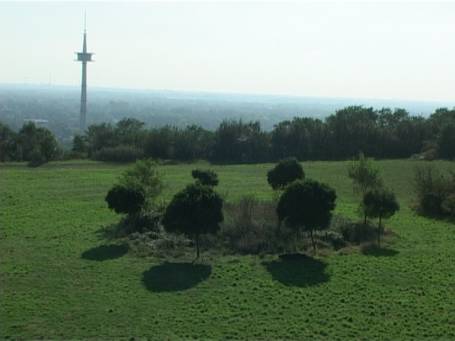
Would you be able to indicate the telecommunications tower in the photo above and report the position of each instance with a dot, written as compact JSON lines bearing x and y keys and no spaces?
{"x":84,"y":57}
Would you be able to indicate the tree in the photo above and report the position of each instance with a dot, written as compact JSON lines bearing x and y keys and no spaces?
{"x":446,"y":142}
{"x":143,"y":177}
{"x":307,"y":206}
{"x":126,"y":200}
{"x":7,"y":143}
{"x":382,"y":204}
{"x":205,"y":177}
{"x":80,"y":144}
{"x":195,"y":210}
{"x":285,"y":172}
{"x":37,"y":145}
{"x":240,"y":142}
{"x":365,"y":177}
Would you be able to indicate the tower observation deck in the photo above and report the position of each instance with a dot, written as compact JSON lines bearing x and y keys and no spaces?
{"x":84,"y":57}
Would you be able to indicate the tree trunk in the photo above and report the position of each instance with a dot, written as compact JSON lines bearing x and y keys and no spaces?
{"x":197,"y":246}
{"x":379,"y":232}
{"x":312,"y":240}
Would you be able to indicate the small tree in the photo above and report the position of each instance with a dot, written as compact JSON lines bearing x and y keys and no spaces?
{"x":307,"y":206}
{"x":195,"y":210}
{"x":80,"y":144}
{"x":205,"y":177}
{"x":143,"y":177}
{"x":125,"y":200}
{"x":365,"y":177}
{"x":285,"y":172}
{"x":380,"y":204}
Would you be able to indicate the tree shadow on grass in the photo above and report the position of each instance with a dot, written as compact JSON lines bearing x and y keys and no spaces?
{"x":175,"y":276}
{"x":297,"y":270}
{"x":105,"y":252}
{"x":374,"y":250}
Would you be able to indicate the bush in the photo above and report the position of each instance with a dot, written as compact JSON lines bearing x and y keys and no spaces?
{"x":357,"y":232}
{"x":122,"y":199}
{"x":120,"y":153}
{"x":250,"y":227}
{"x":36,"y":158}
{"x":144,"y":177}
{"x":145,"y":221}
{"x":205,"y":177}
{"x":285,"y":172}
{"x":434,"y":191}
{"x":448,"y":205}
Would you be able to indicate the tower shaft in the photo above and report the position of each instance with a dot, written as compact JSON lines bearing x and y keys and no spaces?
{"x":84,"y":57}
{"x":83,"y":113}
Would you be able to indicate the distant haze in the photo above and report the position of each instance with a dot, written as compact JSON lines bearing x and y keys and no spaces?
{"x":355,"y":50}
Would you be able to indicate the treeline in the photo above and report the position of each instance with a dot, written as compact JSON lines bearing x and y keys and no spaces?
{"x":383,"y":133}
{"x":33,"y":144}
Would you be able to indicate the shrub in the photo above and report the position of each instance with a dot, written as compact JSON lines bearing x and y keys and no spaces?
{"x":120,"y":153}
{"x":36,"y":158}
{"x":205,"y":177}
{"x":145,"y":221}
{"x":448,"y":205}
{"x":357,"y":233}
{"x":365,"y":177}
{"x":250,"y":226}
{"x":144,"y":177}
{"x":433,"y":191}
{"x":122,"y":199}
{"x":285,"y":172}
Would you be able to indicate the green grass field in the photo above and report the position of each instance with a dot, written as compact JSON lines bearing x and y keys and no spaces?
{"x":55,"y":281}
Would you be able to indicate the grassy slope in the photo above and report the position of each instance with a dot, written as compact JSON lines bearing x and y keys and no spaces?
{"x":50,"y":216}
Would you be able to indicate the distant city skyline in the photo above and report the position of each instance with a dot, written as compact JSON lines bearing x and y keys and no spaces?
{"x":355,"y":50}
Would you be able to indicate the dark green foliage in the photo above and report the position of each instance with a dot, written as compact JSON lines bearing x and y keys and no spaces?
{"x":122,"y":199}
{"x":80,"y":144}
{"x":285,"y":172}
{"x":195,"y":210}
{"x":205,"y":177}
{"x":120,"y":153}
{"x":33,"y":144}
{"x":307,"y":206}
{"x":357,"y":232}
{"x":36,"y":158}
{"x":382,"y":204}
{"x":434,"y":191}
{"x":145,"y":221}
{"x":7,"y":144}
{"x":446,"y":142}
{"x":239,"y":142}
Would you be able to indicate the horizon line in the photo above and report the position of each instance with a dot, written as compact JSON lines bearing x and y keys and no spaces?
{"x":223,"y":92}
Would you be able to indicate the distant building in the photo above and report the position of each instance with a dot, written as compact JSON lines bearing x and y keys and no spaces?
{"x":37,"y":121}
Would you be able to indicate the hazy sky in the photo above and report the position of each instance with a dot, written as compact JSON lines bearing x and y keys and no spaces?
{"x":388,"y":50}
